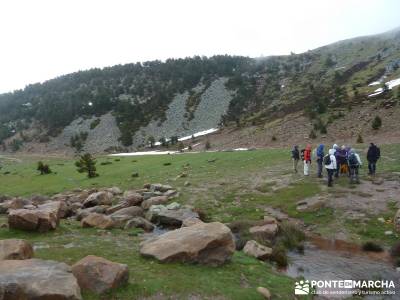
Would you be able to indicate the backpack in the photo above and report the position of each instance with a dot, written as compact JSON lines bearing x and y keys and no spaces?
{"x":302,"y":154}
{"x":327,"y":160}
{"x":353,"y":160}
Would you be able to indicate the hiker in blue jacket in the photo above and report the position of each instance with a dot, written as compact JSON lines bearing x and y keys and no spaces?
{"x":320,"y":159}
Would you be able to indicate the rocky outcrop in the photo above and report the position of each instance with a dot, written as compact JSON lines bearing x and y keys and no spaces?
{"x":205,"y":243}
{"x":15,"y":249}
{"x":37,"y":279}
{"x":98,"y":221}
{"x":99,"y":275}
{"x":170,"y":217}
{"x":121,"y":216}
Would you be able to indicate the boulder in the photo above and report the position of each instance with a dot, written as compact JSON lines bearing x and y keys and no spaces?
{"x":98,"y":221}
{"x":59,"y":208}
{"x":121,"y":216}
{"x":139,"y":222}
{"x":18,"y":203}
{"x":83,"y":213}
{"x":132,"y":198}
{"x":15,"y":249}
{"x":98,"y":198}
{"x":32,"y":220}
{"x":37,"y":279}
{"x":99,"y":275}
{"x":310,"y":205}
{"x":257,"y":250}
{"x":171,"y":217}
{"x":205,"y":243}
{"x":267,"y":231}
{"x":146,"y":204}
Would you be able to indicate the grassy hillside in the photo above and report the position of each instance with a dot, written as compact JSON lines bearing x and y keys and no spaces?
{"x":227,"y":187}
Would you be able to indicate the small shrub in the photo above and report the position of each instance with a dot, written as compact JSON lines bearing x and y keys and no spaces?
{"x":279,"y":256}
{"x":273,"y":138}
{"x":360,"y":139}
{"x":207,"y":145}
{"x":372,"y":247}
{"x":167,"y":164}
{"x":376,"y":123}
{"x":43,"y":168}
{"x":290,"y":236}
{"x":312,"y":134}
{"x":105,"y":163}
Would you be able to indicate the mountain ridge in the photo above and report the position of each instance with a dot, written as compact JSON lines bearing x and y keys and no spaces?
{"x":316,"y":83}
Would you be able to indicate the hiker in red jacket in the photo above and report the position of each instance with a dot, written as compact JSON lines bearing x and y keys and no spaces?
{"x":307,"y":160}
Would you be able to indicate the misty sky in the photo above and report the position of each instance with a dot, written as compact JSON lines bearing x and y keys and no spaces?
{"x":43,"y":39}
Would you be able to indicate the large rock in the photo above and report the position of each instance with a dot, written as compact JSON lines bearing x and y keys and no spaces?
{"x":98,"y":198}
{"x":310,"y":205}
{"x":146,"y":204}
{"x":15,"y":249}
{"x":83,"y":213}
{"x":171,"y":217}
{"x":253,"y":248}
{"x":121,"y":216}
{"x":267,"y":231}
{"x":139,"y":222}
{"x":32,"y":220}
{"x":36,"y":279}
{"x":132,"y":198}
{"x":59,"y":208}
{"x":205,"y":243}
{"x":114,"y":190}
{"x":99,"y":275}
{"x":158,"y":187}
{"x":98,"y":221}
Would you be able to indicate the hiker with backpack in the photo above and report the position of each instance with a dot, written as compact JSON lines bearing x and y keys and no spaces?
{"x":373,"y":155}
{"x":341,"y":161}
{"x":320,"y":159}
{"x":295,"y":157}
{"x":354,"y":163}
{"x":330,"y":165}
{"x":307,"y":160}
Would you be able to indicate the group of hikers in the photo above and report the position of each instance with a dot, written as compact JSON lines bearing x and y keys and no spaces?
{"x":338,"y":160}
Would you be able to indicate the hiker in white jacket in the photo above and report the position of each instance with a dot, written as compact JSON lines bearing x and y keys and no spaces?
{"x":330,"y":165}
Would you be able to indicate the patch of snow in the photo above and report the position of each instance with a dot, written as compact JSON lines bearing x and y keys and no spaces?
{"x":188,"y":137}
{"x":374,"y":83}
{"x":377,"y":92}
{"x":392,"y":83}
{"x":145,"y":153}
{"x":241,"y":149}
{"x":197,"y":134}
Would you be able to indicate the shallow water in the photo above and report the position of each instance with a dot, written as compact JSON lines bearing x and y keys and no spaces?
{"x":340,"y":260}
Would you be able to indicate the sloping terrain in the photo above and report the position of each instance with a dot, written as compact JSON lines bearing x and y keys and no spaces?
{"x":320,"y":89}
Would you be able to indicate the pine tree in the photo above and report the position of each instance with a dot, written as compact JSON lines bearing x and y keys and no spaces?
{"x":87,"y":164}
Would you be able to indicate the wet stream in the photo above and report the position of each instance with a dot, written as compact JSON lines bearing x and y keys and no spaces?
{"x":340,"y":260}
